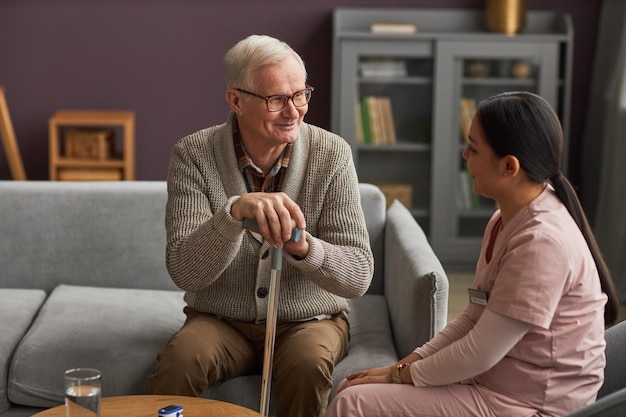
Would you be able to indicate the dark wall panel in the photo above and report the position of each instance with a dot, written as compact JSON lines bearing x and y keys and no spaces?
{"x":163,"y":59}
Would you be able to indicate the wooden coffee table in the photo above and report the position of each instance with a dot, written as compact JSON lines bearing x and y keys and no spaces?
{"x":149,"y":405}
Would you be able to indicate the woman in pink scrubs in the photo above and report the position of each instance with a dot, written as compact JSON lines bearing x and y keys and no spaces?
{"x":531,"y":340}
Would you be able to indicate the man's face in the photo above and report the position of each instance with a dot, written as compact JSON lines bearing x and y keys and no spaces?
{"x":273,"y":128}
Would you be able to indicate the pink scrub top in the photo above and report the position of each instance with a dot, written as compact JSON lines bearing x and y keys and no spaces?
{"x":541,"y":272}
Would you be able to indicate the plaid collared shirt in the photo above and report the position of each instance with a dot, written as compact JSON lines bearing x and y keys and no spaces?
{"x":256,"y":180}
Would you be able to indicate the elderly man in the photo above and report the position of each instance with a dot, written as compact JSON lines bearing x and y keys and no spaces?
{"x":265,"y":164}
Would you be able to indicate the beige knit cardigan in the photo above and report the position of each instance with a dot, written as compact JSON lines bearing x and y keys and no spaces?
{"x":221,"y":266}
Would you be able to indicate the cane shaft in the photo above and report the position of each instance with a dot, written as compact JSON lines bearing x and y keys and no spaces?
{"x":272,"y":312}
{"x":270,"y":330}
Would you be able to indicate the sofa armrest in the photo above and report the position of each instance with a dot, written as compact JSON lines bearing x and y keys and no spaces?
{"x":416,"y":286}
{"x":615,"y":370}
{"x":613,"y":405}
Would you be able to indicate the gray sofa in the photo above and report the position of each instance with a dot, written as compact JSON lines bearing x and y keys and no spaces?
{"x":83,"y":284}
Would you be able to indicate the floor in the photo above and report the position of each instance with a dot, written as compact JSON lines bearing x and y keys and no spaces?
{"x":457,"y":300}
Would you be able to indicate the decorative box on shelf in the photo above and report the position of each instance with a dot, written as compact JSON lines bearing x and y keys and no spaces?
{"x":89,"y":144}
{"x":397,"y":191}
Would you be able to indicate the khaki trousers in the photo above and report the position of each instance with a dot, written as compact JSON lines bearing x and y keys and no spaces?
{"x":208,"y":349}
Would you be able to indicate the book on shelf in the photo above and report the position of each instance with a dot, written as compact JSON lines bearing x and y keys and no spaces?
{"x":383,"y":68}
{"x":365,"y":122}
{"x":376,"y":121}
{"x":393,"y":27}
{"x":467,"y":199}
{"x":467,"y":110}
{"x":463,"y":199}
{"x":359,"y":122}
{"x":389,"y":127}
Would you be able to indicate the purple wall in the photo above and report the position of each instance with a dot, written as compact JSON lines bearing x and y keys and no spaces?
{"x":163,"y":59}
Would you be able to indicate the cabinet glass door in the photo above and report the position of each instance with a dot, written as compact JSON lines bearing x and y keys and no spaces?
{"x":468,"y":73}
{"x":390,"y":88}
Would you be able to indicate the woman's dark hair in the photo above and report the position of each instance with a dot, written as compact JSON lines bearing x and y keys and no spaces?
{"x":524,"y":125}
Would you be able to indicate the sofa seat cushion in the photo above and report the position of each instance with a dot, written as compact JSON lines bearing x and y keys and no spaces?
{"x":117,"y":330}
{"x":17,"y":309}
{"x":371,"y":344}
{"x":371,"y":341}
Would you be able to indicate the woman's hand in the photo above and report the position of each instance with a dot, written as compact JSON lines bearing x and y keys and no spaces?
{"x":372,"y":376}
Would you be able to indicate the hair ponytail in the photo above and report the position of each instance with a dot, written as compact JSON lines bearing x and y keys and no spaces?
{"x":568,"y":196}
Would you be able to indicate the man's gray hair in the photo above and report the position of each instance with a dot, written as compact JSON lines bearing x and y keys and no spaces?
{"x":252,"y":53}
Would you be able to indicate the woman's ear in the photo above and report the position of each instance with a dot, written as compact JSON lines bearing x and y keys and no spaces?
{"x":510,"y":166}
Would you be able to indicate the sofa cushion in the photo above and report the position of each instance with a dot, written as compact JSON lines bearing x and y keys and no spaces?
{"x":117,"y":330}
{"x":118,"y":226}
{"x":17,"y":309}
{"x":371,"y":341}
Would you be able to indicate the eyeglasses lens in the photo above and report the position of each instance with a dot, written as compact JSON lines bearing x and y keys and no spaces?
{"x":301,"y":98}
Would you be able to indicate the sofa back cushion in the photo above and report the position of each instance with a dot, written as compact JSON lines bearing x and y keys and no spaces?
{"x":109,"y":234}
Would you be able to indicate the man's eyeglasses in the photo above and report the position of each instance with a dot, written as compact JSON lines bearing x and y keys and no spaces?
{"x":280,"y":101}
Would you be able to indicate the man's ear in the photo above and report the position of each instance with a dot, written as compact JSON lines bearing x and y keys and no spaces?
{"x":510,"y":166}
{"x":234,"y":100}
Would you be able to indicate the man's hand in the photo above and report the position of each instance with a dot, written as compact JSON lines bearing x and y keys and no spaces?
{"x":276,"y":215}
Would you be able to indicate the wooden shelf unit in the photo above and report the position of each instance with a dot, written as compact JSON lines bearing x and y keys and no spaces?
{"x":92,"y":169}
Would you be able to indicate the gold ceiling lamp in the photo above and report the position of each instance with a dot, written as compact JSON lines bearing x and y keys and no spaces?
{"x":505,"y":16}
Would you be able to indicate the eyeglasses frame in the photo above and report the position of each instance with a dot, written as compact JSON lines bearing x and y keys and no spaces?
{"x":268,"y":98}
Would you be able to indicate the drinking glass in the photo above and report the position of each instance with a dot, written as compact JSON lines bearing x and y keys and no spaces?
{"x":83,"y":387}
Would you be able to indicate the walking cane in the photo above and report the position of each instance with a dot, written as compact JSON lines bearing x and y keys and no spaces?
{"x":270,"y":322}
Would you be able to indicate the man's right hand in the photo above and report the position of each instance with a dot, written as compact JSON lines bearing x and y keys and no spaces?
{"x":275,"y":213}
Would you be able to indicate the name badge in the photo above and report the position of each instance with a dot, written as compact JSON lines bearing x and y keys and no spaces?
{"x":477,"y":296}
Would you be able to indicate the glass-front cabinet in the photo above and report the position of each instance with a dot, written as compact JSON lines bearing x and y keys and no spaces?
{"x":404,"y":102}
